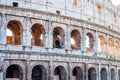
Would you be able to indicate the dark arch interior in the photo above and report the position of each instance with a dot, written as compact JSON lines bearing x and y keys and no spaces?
{"x":14,"y":27}
{"x":112,"y":74}
{"x":101,"y":44}
{"x":91,"y":42}
{"x":58,"y":35}
{"x":77,"y":72}
{"x":60,"y":71}
{"x":13,"y":71}
{"x":75,"y":35}
{"x":37,"y":35}
{"x":103,"y":74}
{"x":91,"y":74}
{"x":38,"y":73}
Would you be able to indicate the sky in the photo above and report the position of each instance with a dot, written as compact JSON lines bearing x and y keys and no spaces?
{"x":116,"y":2}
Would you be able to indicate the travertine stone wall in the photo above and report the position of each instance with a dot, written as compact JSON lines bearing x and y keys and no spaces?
{"x":72,"y":17}
{"x":100,"y":12}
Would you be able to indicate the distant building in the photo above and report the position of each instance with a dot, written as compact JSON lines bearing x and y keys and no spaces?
{"x":59,"y":40}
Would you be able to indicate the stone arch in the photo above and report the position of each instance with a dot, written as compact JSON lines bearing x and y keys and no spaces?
{"x":117,"y":46}
{"x":75,"y":39}
{"x":60,"y":73}
{"x":112,"y":74}
{"x":39,"y":73}
{"x":14,"y":71}
{"x":110,"y":46}
{"x":101,"y":44}
{"x":89,"y":42}
{"x":92,"y":74}
{"x":14,"y":28}
{"x":37,"y":32}
{"x":58,"y":37}
{"x":103,"y":74}
{"x":77,"y":73}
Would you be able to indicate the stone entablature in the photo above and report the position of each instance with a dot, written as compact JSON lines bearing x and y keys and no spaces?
{"x":50,"y":62}
{"x":58,"y":58}
{"x":100,"y":12}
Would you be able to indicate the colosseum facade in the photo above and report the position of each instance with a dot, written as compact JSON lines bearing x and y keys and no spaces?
{"x":59,"y":40}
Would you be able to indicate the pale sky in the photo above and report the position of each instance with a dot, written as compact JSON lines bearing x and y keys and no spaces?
{"x":116,"y":2}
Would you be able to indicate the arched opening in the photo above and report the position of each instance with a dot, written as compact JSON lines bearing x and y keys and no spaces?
{"x":13,"y":33}
{"x":112,"y":74}
{"x":14,"y":71}
{"x":103,"y":74}
{"x":92,"y":74}
{"x":37,"y":38}
{"x":39,"y":73}
{"x":101,"y":44}
{"x":60,"y":73}
{"x":77,"y":74}
{"x":119,"y":75}
{"x":89,"y":42}
{"x":117,"y":45}
{"x":75,"y":39}
{"x":58,"y":37}
{"x":110,"y":47}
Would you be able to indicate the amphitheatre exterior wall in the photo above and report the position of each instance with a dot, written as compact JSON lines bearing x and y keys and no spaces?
{"x":50,"y":59}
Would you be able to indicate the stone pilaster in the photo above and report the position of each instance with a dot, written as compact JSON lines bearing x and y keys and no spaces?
{"x":98,"y":72}
{"x":83,"y":40}
{"x":50,"y":35}
{"x":96,"y":42}
{"x":109,"y":73}
{"x":68,"y":38}
{"x":3,"y":29}
{"x":94,"y":10}
{"x":81,"y":9}
{"x":28,"y":69}
{"x":51,"y":72}
{"x":106,"y":44}
{"x":104,"y":13}
{"x":69,"y":71}
{"x":114,"y":48}
{"x":46,"y":34}
{"x":116,"y":72}
{"x":26,"y":38}
{"x":2,"y":75}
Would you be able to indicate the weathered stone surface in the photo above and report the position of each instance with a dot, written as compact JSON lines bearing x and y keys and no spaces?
{"x":37,"y":24}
